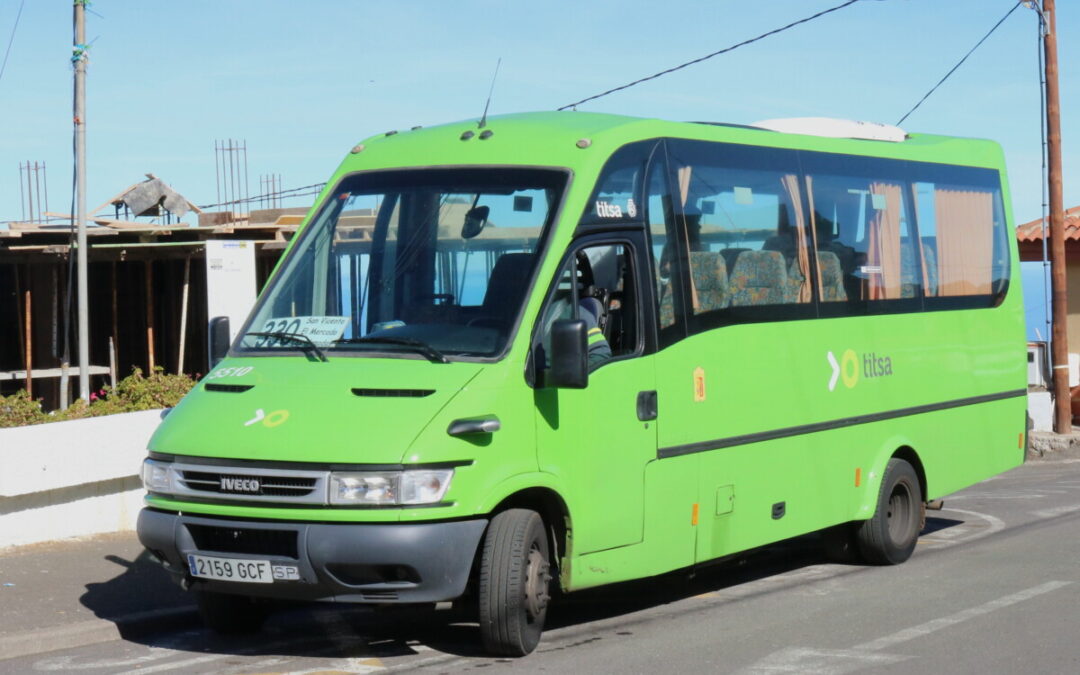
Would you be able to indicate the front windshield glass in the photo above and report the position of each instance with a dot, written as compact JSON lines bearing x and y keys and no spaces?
{"x":431,"y":263}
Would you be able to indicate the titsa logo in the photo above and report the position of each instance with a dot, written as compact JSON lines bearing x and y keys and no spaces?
{"x":847,"y":368}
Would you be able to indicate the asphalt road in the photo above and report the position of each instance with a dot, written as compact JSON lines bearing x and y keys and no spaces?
{"x":993,"y":587}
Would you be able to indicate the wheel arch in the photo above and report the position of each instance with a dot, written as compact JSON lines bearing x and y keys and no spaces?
{"x":908,"y":454}
{"x":551,"y":507}
{"x":897,"y":447}
{"x":538,"y":492}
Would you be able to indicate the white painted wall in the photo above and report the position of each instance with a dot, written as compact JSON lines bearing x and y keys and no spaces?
{"x":69,"y":479}
{"x":1041,"y":409}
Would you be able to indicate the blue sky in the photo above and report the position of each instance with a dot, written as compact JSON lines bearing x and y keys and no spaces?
{"x":302,"y":82}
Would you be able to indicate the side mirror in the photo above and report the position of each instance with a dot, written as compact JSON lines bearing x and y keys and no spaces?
{"x":569,"y":355}
{"x":217,"y":340}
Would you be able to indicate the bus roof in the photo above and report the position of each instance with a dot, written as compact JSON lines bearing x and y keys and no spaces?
{"x":573,"y":138}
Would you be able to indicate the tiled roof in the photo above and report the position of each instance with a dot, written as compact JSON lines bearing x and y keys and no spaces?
{"x":1033,"y":231}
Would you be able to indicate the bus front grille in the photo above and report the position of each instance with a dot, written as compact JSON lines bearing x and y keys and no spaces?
{"x":243,"y":540}
{"x":253,"y":484}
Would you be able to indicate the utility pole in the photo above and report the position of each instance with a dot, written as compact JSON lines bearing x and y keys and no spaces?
{"x":79,"y":57}
{"x":1059,"y":296}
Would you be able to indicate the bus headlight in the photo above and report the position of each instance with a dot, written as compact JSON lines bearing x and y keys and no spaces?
{"x":156,"y":476}
{"x":389,"y":488}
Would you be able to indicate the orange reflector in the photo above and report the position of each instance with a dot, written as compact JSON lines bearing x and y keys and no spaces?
{"x":694,"y":515}
{"x":858,"y":476}
{"x":1020,"y":442}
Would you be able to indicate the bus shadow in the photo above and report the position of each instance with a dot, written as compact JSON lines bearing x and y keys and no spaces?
{"x":140,"y":597}
{"x":634,"y":596}
{"x":939,"y":524}
{"x":337,"y":631}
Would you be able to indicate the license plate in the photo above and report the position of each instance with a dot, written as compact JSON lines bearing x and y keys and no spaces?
{"x":231,"y":569}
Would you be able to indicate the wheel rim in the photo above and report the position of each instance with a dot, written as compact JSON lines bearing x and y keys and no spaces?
{"x":537,"y":576}
{"x":899,"y":515}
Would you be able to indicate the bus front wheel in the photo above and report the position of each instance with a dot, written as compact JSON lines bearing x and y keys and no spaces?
{"x":515,"y":578}
{"x":889,"y":537}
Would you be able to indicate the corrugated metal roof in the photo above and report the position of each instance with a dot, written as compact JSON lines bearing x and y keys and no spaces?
{"x":1033,"y":231}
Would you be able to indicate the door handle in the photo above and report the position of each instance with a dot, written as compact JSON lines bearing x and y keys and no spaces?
{"x":646,"y":405}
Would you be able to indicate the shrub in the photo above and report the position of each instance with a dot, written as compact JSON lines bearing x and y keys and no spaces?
{"x":134,"y":392}
{"x":20,"y":410}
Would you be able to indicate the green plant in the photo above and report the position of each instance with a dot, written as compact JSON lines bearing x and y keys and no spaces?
{"x":20,"y":410}
{"x":134,"y":392}
{"x":138,"y":392}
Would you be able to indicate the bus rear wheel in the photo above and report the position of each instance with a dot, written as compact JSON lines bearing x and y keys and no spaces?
{"x":515,"y":578}
{"x":889,"y":537}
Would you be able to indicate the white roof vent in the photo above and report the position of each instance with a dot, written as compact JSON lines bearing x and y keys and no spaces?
{"x":834,"y":128}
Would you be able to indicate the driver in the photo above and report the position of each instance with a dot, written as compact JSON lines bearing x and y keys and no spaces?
{"x":590,"y":310}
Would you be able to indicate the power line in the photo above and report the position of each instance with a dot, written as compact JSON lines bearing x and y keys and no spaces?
{"x":312,"y":189}
{"x":11,"y":40}
{"x":709,"y":56}
{"x":959,"y":63}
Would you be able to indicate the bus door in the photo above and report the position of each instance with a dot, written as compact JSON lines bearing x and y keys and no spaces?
{"x":598,"y":440}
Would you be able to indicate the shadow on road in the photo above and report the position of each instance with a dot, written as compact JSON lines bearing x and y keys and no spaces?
{"x":351,"y":631}
{"x":939,"y":524}
{"x":141,"y":586}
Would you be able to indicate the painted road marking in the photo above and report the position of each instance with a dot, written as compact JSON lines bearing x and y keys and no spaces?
{"x":965,"y":532}
{"x":1057,"y":511}
{"x":838,"y":661}
{"x":959,"y":617}
{"x":805,"y":661}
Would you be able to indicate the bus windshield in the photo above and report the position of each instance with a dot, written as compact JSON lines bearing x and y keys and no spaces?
{"x":425,"y":263}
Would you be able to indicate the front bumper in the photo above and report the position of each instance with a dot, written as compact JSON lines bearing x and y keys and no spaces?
{"x":364,"y":563}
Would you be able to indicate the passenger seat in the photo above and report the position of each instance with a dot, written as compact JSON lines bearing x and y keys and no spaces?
{"x":759,"y":278}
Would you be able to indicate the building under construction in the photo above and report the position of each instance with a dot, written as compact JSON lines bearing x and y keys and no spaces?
{"x":147,"y":288}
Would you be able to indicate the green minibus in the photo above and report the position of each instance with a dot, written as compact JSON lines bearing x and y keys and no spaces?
{"x":550,"y":351}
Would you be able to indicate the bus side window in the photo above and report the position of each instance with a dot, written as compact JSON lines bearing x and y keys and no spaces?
{"x":864,"y":239}
{"x":661,"y":230}
{"x":960,"y":230}
{"x":743,"y":234}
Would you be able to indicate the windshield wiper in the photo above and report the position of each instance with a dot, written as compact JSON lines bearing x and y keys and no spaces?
{"x":304,"y":341}
{"x":418,"y":345}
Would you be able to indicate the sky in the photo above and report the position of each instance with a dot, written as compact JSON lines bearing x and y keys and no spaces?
{"x":301,"y":83}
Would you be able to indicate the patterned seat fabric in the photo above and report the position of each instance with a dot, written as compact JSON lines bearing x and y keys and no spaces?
{"x":911,"y":274}
{"x":931,"y":269}
{"x":709,"y":272}
{"x":667,"y":304}
{"x":832,"y":277}
{"x":759,"y":278}
{"x":795,"y":282}
{"x":730,"y":255}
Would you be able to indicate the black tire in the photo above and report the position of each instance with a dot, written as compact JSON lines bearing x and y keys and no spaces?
{"x":841,"y":544}
{"x":889,"y":537}
{"x":231,"y":614}
{"x":515,"y":577}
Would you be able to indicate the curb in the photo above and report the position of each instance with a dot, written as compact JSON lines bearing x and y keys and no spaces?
{"x":95,"y":631}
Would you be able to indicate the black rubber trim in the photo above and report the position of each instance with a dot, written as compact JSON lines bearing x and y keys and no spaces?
{"x":704,"y":446}
{"x":238,"y":463}
{"x":393,"y":393}
{"x":228,"y":388}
